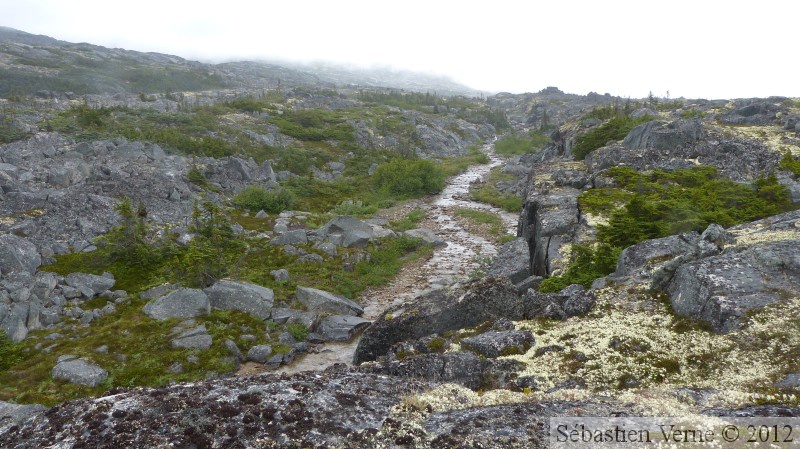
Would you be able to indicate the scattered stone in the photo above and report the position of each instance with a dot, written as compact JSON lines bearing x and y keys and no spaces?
{"x":196,"y":338}
{"x":438,"y":312}
{"x":309,"y":320}
{"x":261,"y":214}
{"x":346,"y":231}
{"x":89,"y":284}
{"x":79,"y":371}
{"x":297,"y":237}
{"x":427,"y":236}
{"x":182,"y":303}
{"x":259,"y":353}
{"x":281,"y":275}
{"x":233,"y":350}
{"x":341,"y":327}
{"x":322,"y":301}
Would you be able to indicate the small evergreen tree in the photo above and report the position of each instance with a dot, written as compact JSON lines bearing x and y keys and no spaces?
{"x":215,"y":249}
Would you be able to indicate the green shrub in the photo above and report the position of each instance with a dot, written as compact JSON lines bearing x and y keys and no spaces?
{"x":517,"y":144}
{"x":490,"y":195}
{"x":298,"y":331}
{"x":256,"y":198}
{"x":10,"y":353}
{"x":354,"y":208}
{"x":790,"y":163}
{"x":660,"y":204}
{"x":409,"y":177}
{"x":409,"y":222}
{"x":615,"y":129}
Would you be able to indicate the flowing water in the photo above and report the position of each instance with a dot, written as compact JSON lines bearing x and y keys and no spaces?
{"x":449,"y":265}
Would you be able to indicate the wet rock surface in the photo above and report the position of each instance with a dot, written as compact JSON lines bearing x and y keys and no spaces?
{"x":439,"y":312}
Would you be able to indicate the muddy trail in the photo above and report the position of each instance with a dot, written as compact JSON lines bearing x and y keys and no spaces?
{"x":449,"y":265}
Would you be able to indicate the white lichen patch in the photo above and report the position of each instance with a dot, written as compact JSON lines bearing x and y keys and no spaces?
{"x":773,"y":137}
{"x":620,"y":346}
{"x":747,"y":237}
{"x":595,"y":220}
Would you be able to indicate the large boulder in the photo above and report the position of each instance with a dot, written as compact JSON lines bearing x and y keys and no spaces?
{"x":79,"y":371}
{"x":18,"y":254}
{"x":439,"y":312}
{"x":571,"y":301}
{"x":326,"y":302}
{"x":513,"y":261}
{"x":721,"y":289}
{"x":347,"y":231}
{"x":182,"y":303}
{"x":661,"y":136}
{"x":341,"y":327}
{"x":13,"y":320}
{"x":245,"y":297}
{"x":90,"y":284}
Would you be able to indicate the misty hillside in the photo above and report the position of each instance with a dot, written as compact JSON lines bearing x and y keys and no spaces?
{"x":34,"y":63}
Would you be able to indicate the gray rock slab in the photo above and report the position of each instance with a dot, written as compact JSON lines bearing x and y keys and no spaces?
{"x":79,"y":371}
{"x":245,"y":297}
{"x":322,"y":301}
{"x":18,"y":254}
{"x":497,"y":343}
{"x":296,"y":237}
{"x":182,"y":303}
{"x":513,"y":261}
{"x":427,"y":235}
{"x":87,"y":283}
{"x":721,"y":289}
{"x":195,"y":338}
{"x":341,"y":327}
{"x":350,"y":231}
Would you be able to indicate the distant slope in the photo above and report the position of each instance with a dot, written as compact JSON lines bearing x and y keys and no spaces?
{"x":34,"y":63}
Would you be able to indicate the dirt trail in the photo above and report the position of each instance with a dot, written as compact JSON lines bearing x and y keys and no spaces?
{"x":449,"y":265}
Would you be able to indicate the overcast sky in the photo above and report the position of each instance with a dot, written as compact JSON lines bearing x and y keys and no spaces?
{"x":694,"y":49}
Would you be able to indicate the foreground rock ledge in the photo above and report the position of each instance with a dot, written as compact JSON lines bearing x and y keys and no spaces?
{"x":335,"y":408}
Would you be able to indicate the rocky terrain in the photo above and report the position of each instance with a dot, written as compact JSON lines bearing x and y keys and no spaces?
{"x":654,"y":269}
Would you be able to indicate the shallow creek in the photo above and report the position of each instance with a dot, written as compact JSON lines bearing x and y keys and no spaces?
{"x":449,"y":265}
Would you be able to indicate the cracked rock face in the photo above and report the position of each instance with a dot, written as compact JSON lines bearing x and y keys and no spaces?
{"x":721,"y":289}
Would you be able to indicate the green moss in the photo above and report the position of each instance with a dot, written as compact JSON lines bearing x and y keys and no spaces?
{"x":437,"y":344}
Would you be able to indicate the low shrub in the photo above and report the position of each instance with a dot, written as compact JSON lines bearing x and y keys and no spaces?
{"x":256,"y":198}
{"x":409,"y":177}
